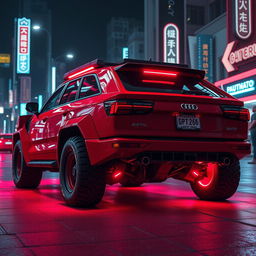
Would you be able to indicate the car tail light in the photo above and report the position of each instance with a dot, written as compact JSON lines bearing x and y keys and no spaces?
{"x":127,"y":107}
{"x":235,"y":112}
{"x":155,"y":72}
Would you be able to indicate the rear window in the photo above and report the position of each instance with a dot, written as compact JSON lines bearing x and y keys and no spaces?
{"x":5,"y":136}
{"x":165,"y":82}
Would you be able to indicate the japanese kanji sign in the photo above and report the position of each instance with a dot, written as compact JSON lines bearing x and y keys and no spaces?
{"x":243,"y":18}
{"x":23,"y":46}
{"x":240,"y":53}
{"x":171,"y":43}
{"x":205,"y":55}
{"x":171,"y":18}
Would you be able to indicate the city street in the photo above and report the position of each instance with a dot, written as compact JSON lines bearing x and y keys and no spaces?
{"x":155,"y":219}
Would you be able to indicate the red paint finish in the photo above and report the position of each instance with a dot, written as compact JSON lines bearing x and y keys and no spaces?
{"x":114,"y":114}
{"x":6,"y":142}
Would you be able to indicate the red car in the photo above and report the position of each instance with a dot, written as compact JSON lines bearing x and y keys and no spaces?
{"x":6,"y":142}
{"x":132,"y":123}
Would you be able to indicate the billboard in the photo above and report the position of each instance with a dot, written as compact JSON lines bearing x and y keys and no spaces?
{"x":240,"y":52}
{"x":23,"y":46}
{"x":171,"y":43}
{"x":205,"y":55}
{"x":241,"y":86}
{"x":172,"y":27}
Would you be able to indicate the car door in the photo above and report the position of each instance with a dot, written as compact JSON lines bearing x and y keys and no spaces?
{"x":38,"y":128}
{"x":55,"y":119}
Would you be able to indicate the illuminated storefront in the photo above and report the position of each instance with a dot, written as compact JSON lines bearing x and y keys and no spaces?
{"x":241,"y":86}
{"x":239,"y":57}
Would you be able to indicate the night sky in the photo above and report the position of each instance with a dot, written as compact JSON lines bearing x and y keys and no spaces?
{"x":77,"y":25}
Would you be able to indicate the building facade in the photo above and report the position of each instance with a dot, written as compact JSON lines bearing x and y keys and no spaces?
{"x":124,"y":35}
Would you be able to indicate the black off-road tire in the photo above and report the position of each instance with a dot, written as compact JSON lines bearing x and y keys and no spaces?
{"x":223,"y":186}
{"x":83,"y":185}
{"x":24,"y":176}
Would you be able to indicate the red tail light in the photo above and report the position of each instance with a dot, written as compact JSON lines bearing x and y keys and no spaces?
{"x":234,"y":112}
{"x":159,"y":72}
{"x":80,"y":73}
{"x":127,"y":107}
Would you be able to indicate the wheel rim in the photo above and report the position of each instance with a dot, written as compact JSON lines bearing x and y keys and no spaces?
{"x":70,"y":170}
{"x":18,"y":165}
{"x":211,"y":173}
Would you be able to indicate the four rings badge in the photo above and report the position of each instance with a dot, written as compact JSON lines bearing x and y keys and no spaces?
{"x":189,"y":106}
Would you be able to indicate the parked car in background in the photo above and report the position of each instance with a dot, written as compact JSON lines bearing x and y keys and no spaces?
{"x":130,"y":123}
{"x":6,"y":142}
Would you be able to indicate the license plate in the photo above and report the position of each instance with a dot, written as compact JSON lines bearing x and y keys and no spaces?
{"x":8,"y":143}
{"x":188,"y":122}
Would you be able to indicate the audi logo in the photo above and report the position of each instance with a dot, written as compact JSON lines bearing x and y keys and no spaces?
{"x":189,"y":106}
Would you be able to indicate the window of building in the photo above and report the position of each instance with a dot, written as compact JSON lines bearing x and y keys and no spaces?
{"x":70,"y":92}
{"x":195,"y":15}
{"x":89,"y":87}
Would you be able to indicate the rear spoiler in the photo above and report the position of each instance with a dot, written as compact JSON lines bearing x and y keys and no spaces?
{"x":128,"y":63}
{"x":181,"y":68}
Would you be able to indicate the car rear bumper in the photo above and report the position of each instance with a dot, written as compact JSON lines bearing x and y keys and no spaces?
{"x":101,"y":151}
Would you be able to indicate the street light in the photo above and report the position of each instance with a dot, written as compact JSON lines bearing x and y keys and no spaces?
{"x":37,"y":27}
{"x":68,"y":56}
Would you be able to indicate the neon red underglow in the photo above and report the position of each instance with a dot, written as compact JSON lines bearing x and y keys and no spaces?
{"x":80,"y":72}
{"x":212,"y":169}
{"x":158,"y":82}
{"x":117,"y":174}
{"x":159,"y":72}
{"x":195,"y":173}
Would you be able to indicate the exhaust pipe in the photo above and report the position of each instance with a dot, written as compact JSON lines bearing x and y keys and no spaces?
{"x":145,"y":160}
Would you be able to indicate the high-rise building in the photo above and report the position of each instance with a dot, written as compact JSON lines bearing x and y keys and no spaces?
{"x":119,"y":31}
{"x":136,"y":43}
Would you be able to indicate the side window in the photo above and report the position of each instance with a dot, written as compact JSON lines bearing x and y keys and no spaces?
{"x":70,"y":92}
{"x":89,"y":87}
{"x":53,"y":101}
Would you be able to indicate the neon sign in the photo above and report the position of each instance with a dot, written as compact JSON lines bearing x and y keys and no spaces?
{"x":205,"y":55}
{"x":243,"y":18}
{"x":241,"y":88}
{"x":230,"y":58}
{"x":23,"y":46}
{"x":171,"y":43}
{"x":125,"y":53}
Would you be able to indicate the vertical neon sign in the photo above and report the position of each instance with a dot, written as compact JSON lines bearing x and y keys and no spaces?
{"x":171,"y":43}
{"x":243,"y":18}
{"x":23,"y":46}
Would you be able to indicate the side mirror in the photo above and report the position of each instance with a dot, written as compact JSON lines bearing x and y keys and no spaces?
{"x":32,"y":107}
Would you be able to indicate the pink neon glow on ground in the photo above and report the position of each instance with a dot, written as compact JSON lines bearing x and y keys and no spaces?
{"x":154,"y":219}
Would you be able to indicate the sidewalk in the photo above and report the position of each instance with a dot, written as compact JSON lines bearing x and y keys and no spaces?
{"x":161,"y":219}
